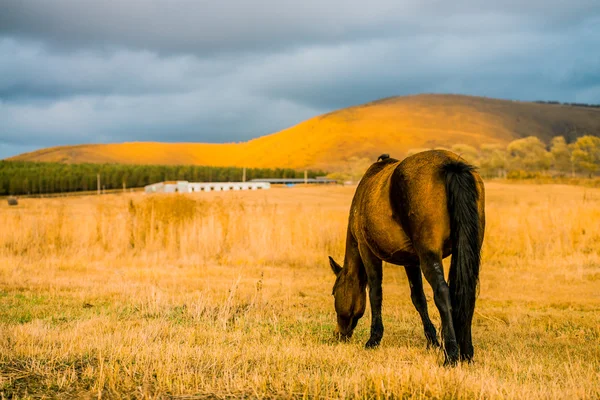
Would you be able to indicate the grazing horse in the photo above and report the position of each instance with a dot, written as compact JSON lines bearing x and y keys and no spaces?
{"x":414,"y":213}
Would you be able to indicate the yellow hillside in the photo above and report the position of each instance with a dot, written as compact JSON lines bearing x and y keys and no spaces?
{"x":394,"y":125}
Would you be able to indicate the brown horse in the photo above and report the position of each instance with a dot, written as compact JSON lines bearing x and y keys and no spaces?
{"x":414,"y":213}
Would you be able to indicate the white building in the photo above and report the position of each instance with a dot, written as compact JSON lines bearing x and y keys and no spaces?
{"x":192,"y":187}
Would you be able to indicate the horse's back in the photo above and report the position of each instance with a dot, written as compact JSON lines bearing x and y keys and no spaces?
{"x":419,"y":195}
{"x":402,"y":204}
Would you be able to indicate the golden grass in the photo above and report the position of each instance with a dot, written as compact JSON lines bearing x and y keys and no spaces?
{"x":228,"y":295}
{"x":393,"y":126}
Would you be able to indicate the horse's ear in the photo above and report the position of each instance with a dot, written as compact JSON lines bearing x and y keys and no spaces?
{"x":335,"y":266}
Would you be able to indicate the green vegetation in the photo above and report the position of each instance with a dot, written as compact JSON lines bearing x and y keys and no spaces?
{"x":29,"y":178}
{"x":569,"y":104}
{"x":526,"y":158}
{"x":529,"y":157}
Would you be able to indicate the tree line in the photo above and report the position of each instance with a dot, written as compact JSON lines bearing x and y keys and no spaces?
{"x":521,"y":159}
{"x":529,"y":157}
{"x":569,"y":104}
{"x":30,"y":178}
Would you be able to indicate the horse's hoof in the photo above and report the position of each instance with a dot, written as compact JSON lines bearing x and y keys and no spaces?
{"x":372,"y":343}
{"x":451,"y":357}
{"x":431,"y":336}
{"x":450,"y":362}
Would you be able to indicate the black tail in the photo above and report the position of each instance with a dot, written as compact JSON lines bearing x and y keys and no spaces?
{"x":461,"y":191}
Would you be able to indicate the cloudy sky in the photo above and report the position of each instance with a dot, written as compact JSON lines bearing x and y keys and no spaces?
{"x":83,"y":71}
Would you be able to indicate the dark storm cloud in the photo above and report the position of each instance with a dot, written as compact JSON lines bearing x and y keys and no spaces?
{"x":86,"y":71}
{"x":205,"y":26}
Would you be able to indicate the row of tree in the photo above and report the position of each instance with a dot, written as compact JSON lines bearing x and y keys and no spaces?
{"x":570,"y":104}
{"x":20,"y":178}
{"x":522,"y":158}
{"x":530,"y":157}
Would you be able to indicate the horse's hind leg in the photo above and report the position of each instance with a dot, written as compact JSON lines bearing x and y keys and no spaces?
{"x":413,"y":272}
{"x":373,"y":268}
{"x":431,"y":265}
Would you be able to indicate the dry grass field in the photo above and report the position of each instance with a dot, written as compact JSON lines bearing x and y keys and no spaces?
{"x":229,"y":295}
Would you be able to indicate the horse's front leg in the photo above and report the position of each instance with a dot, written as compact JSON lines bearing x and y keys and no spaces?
{"x":373,"y":268}
{"x":413,"y":272}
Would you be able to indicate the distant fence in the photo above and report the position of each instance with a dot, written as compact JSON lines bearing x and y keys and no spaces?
{"x":297,"y":181}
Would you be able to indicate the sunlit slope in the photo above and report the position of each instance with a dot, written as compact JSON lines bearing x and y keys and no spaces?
{"x":394,"y":125}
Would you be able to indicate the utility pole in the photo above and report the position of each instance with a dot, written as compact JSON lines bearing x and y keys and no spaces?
{"x":98,"y":176}
{"x":305,"y":177}
{"x":244,"y":175}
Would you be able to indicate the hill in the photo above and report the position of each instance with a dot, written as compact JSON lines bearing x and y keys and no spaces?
{"x":392,"y":125}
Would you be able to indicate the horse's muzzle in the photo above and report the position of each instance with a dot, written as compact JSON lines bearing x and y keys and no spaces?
{"x":342,"y":336}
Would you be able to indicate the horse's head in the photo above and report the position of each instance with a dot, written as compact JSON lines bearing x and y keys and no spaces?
{"x":350,"y":300}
